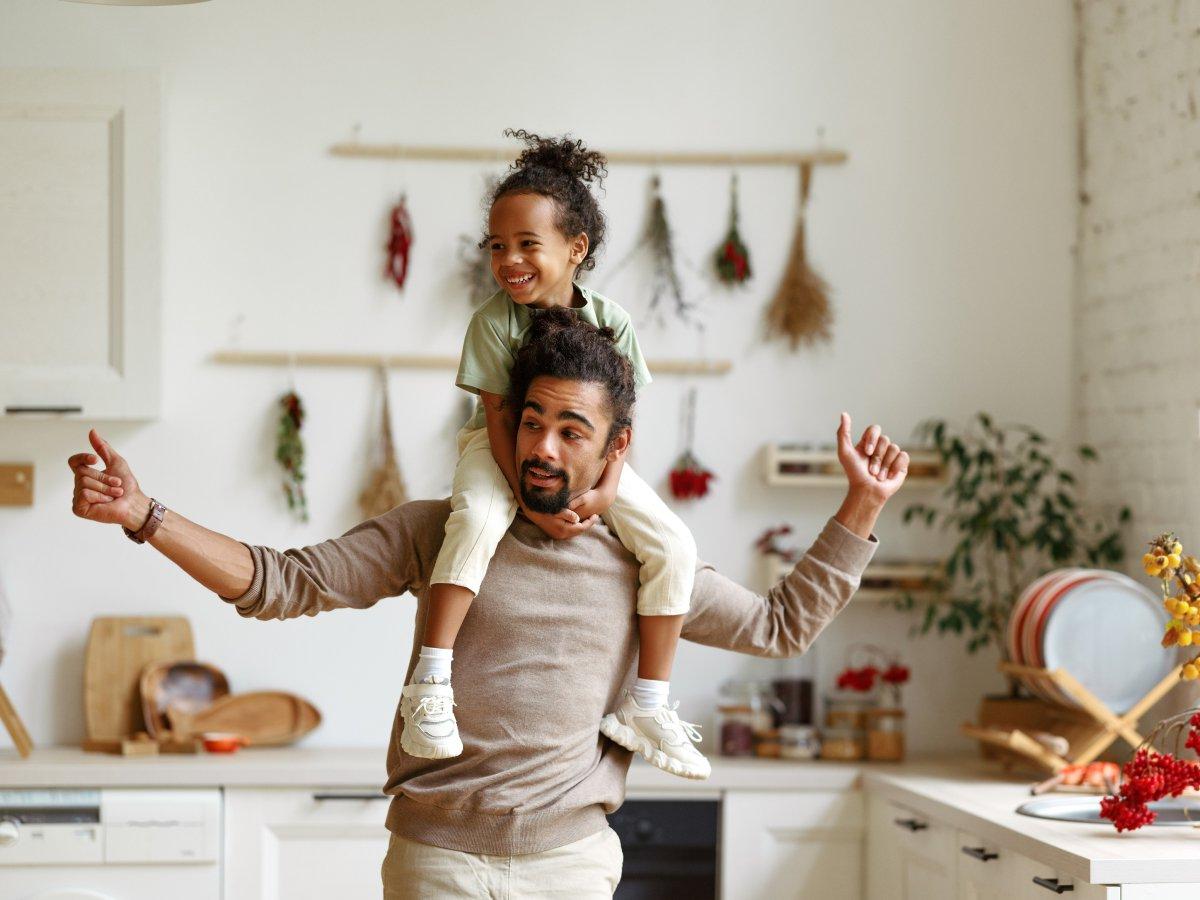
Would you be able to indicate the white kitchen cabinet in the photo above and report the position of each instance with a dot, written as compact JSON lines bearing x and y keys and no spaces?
{"x":979,"y":866}
{"x":1019,"y":872}
{"x":783,"y":844}
{"x":80,"y":267}
{"x":911,"y":857}
{"x":303,"y":844}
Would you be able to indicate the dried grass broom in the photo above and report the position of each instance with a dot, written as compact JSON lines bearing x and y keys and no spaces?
{"x":800,"y":311}
{"x":385,"y":488}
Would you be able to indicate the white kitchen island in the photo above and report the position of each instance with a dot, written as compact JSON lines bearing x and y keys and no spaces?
{"x":300,"y":819}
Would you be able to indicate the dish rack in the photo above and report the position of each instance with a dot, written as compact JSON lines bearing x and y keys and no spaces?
{"x":1092,"y":733}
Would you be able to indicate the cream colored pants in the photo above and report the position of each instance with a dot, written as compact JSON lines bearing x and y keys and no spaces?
{"x":583,"y":870}
{"x":483,"y":507}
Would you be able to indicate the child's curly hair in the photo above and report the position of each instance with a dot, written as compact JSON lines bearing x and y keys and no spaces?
{"x":561,"y":169}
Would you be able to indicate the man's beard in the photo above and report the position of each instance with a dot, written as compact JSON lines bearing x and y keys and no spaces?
{"x":540,"y":499}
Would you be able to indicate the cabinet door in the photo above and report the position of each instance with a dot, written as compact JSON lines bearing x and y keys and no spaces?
{"x":1020,"y":872}
{"x":979,"y":865}
{"x":79,"y":243}
{"x":291,"y":844}
{"x":927,"y":856}
{"x":785,"y":844}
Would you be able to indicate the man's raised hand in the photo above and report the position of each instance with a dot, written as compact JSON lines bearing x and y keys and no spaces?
{"x":874,"y":465}
{"x":102,"y":496}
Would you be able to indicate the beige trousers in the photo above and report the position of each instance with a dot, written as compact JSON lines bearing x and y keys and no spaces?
{"x":587,"y":869}
{"x":482,"y":507}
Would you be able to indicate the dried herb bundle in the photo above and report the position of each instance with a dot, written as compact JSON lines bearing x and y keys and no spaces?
{"x":289,"y":452}
{"x":385,"y":487}
{"x":800,"y":311}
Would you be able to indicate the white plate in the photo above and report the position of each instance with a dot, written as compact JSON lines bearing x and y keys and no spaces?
{"x":1107,"y":633}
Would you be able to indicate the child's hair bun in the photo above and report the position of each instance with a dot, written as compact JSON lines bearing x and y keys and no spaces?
{"x":562,"y":154}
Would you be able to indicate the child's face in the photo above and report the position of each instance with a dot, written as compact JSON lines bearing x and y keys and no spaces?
{"x":531,"y":259}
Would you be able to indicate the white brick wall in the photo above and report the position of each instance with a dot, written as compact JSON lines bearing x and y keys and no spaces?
{"x":1138,"y":308}
{"x":1137,"y":334}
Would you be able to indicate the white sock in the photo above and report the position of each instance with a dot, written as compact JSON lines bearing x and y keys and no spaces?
{"x":650,"y":694}
{"x":433,"y":661}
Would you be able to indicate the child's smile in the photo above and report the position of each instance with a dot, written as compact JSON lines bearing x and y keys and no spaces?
{"x":531,"y":258}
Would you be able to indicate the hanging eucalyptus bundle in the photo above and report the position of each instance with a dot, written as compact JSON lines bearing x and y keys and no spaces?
{"x":800,"y":311}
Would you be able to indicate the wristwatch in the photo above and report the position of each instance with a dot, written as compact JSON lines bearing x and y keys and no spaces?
{"x":150,"y":526}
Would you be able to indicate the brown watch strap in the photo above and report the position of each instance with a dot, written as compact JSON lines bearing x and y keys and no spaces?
{"x":143,"y":534}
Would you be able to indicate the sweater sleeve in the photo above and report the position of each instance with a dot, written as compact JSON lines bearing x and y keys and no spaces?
{"x":789,"y":617}
{"x":381,"y":557}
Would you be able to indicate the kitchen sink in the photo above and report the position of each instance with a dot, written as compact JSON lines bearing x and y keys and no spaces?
{"x":1172,"y":811}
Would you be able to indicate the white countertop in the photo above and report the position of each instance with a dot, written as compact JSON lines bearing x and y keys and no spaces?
{"x":363,"y":767}
{"x":964,"y":792}
{"x":970,"y":794}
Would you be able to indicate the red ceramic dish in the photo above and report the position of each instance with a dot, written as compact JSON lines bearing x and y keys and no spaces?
{"x":221,"y":742}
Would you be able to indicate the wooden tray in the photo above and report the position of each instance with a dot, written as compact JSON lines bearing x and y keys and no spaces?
{"x":118,"y":649}
{"x":263,"y":718}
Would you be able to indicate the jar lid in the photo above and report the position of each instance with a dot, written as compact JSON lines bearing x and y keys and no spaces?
{"x":797,"y":731}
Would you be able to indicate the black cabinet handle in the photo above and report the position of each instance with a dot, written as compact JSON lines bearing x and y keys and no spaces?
{"x":912,"y":824}
{"x":14,"y":410}
{"x":1051,"y":884}
{"x":980,"y":853}
{"x":351,"y":797}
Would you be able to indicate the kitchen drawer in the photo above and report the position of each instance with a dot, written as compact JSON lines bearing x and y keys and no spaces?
{"x":979,"y":864}
{"x":1019,"y":872}
{"x":928,"y":867}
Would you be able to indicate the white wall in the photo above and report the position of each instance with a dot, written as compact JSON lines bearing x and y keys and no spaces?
{"x":947,"y":238}
{"x":1137,"y":308}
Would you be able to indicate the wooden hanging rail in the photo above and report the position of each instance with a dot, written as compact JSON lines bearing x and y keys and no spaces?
{"x":409,"y":361}
{"x":818,"y":157}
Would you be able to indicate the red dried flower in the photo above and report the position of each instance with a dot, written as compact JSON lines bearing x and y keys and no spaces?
{"x":689,"y":479}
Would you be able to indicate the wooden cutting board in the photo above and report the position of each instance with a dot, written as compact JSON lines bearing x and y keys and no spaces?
{"x":118,"y":648}
{"x":261,"y":717}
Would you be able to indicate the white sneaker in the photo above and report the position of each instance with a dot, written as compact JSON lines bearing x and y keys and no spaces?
{"x":430,"y":731}
{"x":659,"y":735}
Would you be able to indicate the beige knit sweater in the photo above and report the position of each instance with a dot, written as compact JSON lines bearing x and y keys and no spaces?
{"x":547,"y":646}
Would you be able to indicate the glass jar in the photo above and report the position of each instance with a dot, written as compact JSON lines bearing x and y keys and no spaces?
{"x":735,"y":725}
{"x":842,"y":744}
{"x":745,"y":716}
{"x":885,"y":734}
{"x":846,"y":711}
{"x":798,"y":742}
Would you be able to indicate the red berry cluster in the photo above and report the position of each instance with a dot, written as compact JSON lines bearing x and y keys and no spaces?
{"x":1150,"y":776}
{"x":896,"y":674}
{"x":857,"y":679}
{"x":689,"y":479}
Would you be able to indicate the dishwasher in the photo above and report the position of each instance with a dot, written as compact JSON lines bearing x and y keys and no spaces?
{"x":120,"y":844}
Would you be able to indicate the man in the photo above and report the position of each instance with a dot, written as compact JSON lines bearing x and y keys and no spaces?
{"x":549,"y":640}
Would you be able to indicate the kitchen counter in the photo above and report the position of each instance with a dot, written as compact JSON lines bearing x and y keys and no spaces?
{"x":364,"y":767}
{"x":971,"y":795}
{"x":964,"y":792}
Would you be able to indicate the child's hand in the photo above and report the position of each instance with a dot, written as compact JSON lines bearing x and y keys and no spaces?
{"x":591,"y":503}
{"x":562,"y":525}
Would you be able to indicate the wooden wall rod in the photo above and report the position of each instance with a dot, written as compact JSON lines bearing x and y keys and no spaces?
{"x":408,"y":361}
{"x":486,"y":154}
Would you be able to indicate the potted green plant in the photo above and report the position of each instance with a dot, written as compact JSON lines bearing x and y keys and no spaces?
{"x":1014,"y":514}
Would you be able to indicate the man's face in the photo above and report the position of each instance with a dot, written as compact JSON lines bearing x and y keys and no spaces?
{"x":562,"y":441}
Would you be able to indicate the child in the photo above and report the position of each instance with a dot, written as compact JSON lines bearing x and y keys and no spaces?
{"x":544,"y":225}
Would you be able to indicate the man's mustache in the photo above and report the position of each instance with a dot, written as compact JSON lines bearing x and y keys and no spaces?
{"x":545,"y":467}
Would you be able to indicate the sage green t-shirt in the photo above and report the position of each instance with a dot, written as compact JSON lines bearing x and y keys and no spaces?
{"x":499,"y":328}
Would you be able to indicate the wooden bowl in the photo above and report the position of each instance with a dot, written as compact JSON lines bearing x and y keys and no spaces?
{"x":187,"y":685}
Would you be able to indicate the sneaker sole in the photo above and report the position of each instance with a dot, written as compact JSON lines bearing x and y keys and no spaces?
{"x":429,"y":751}
{"x":611,"y":728}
